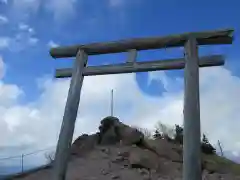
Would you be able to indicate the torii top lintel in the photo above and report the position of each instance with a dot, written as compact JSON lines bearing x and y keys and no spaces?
{"x":223,"y":36}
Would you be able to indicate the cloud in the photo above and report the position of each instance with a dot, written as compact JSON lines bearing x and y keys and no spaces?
{"x":2,"y":68}
{"x":61,"y":8}
{"x":3,"y":19}
{"x":116,"y":3}
{"x":25,"y":123}
{"x":4,"y":1}
{"x":24,"y":9}
{"x":22,"y":41}
{"x":168,"y":83}
{"x":25,"y":27}
{"x":33,"y":41}
{"x":24,"y":38}
{"x":26,"y":5}
{"x":123,"y":3}
{"x":4,"y":42}
{"x":52,"y":44}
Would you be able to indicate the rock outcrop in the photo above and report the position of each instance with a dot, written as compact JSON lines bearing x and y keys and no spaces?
{"x":119,"y":151}
{"x":158,"y":156}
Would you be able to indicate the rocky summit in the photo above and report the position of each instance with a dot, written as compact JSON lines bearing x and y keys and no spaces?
{"x":119,"y":151}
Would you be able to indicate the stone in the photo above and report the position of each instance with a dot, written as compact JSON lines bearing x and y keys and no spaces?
{"x":129,"y":135}
{"x":109,"y":137}
{"x":115,"y":176}
{"x":163,"y":149}
{"x":112,"y":131}
{"x":143,"y":158}
{"x":84,"y":144}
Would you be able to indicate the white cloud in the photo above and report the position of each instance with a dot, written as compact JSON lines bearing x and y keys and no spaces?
{"x":3,"y":19}
{"x":2,"y":67}
{"x":21,"y":41}
{"x":26,"y":5}
{"x":26,"y":123}
{"x":52,"y":44}
{"x":4,"y":1}
{"x":168,"y":83}
{"x":59,"y":8}
{"x":33,"y":41}
{"x":24,"y":38}
{"x":116,"y":3}
{"x":4,"y":42}
{"x":25,"y":27}
{"x":123,"y":3}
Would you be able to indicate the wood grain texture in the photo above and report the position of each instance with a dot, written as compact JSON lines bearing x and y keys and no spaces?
{"x":173,"y":64}
{"x":192,"y":134}
{"x":132,"y":56}
{"x":69,"y":118}
{"x":203,"y":38}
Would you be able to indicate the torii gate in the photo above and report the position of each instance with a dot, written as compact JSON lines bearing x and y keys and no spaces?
{"x":191,"y":64}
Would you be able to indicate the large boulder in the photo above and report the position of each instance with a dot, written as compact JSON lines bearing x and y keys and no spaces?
{"x":107,"y":123}
{"x":107,"y":131}
{"x":109,"y":137}
{"x":113,"y":131}
{"x":128,"y":135}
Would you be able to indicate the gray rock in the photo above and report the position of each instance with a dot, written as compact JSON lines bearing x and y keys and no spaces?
{"x":84,"y":144}
{"x":143,"y":158}
{"x":109,"y":137}
{"x":163,"y":149}
{"x":112,"y":131}
{"x":115,"y":176}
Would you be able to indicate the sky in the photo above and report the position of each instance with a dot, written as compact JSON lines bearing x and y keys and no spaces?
{"x":32,"y":102}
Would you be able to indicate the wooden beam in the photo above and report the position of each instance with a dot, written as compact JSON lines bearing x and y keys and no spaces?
{"x":205,"y":61}
{"x":69,"y":118}
{"x":203,"y":38}
{"x":132,"y":56}
{"x":191,"y":132}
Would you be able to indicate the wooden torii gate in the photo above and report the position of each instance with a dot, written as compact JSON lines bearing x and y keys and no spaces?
{"x":190,"y":63}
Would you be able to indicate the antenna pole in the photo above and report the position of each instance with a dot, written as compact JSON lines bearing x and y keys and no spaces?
{"x":220,"y":147}
{"x":112,"y":102}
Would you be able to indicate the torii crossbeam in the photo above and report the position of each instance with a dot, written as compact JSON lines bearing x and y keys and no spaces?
{"x":190,"y":63}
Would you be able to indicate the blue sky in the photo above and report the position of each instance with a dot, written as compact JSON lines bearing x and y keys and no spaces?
{"x":32,"y":101}
{"x":93,"y":22}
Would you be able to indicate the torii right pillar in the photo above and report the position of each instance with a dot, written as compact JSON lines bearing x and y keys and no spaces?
{"x":192,"y":125}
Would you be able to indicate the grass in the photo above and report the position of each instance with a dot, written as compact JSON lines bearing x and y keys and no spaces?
{"x":224,"y":162}
{"x":215,"y":161}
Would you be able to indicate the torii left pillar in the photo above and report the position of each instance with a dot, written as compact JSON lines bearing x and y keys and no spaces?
{"x":69,"y":118}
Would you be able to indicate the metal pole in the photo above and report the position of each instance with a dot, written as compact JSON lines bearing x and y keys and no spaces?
{"x":112,"y":102}
{"x":220,"y":147}
{"x":22,"y":161}
{"x":192,"y":133}
{"x":69,"y":118}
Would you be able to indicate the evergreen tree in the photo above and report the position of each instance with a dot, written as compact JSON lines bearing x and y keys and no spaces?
{"x":206,"y":147}
{"x":157,"y":135}
{"x":204,"y":139}
{"x":178,"y":134}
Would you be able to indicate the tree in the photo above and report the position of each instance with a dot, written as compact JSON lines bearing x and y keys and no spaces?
{"x":157,"y":135}
{"x":204,"y":139}
{"x":146,"y":132}
{"x":206,"y":147}
{"x":178,"y":134}
{"x":166,"y":132}
{"x":49,"y":157}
